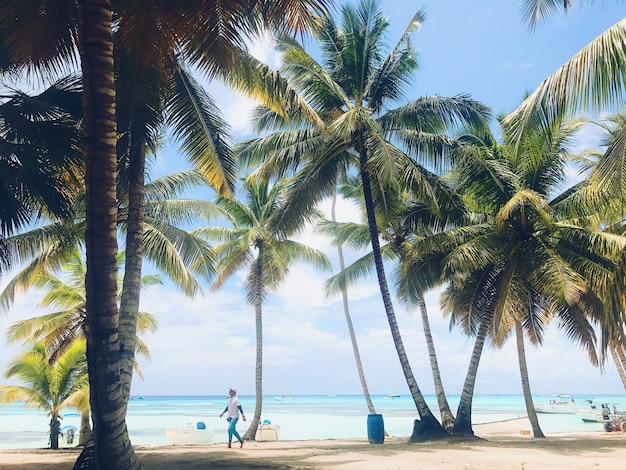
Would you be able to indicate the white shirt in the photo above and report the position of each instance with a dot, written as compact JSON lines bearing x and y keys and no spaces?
{"x":233,"y":406}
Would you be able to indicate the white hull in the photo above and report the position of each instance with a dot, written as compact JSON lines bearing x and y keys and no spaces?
{"x":267,"y":432}
{"x":189,"y":436}
{"x":557,"y":408}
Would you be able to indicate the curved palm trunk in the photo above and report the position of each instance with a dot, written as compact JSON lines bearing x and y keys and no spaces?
{"x":346,"y":311}
{"x":131,"y":288}
{"x":620,"y":362}
{"x":250,"y":434}
{"x":427,"y":426}
{"x":523,"y":368}
{"x":463,"y":421}
{"x":111,"y":448}
{"x":447,"y":418}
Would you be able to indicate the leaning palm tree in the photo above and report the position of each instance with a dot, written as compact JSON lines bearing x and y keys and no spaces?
{"x":48,"y":385}
{"x":353,"y":126}
{"x":59,"y":330}
{"x":268,"y":255}
{"x":211,"y":35}
{"x":526,"y":261}
{"x":400,"y":220}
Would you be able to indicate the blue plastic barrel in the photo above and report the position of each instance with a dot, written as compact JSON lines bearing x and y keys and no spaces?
{"x":375,"y":429}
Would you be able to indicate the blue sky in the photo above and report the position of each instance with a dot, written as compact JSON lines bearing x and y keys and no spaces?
{"x":206,"y":344}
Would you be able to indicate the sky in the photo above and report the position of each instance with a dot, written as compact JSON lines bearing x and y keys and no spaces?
{"x":207,"y":344}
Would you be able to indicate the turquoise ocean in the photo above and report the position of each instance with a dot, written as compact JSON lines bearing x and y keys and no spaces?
{"x":299,"y":417}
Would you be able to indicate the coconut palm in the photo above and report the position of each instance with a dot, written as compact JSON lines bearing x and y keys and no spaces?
{"x":48,"y":385}
{"x":400,"y":220}
{"x":593,"y":79}
{"x":208,"y":33}
{"x":351,"y":93}
{"x":348,"y":317}
{"x":526,"y":262}
{"x":59,"y":330}
{"x":40,"y":158}
{"x":268,"y":255}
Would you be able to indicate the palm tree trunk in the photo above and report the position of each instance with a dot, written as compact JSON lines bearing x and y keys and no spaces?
{"x":131,"y":288}
{"x":523,"y":368}
{"x":463,"y":421}
{"x":619,"y":359}
{"x":346,"y":311}
{"x":250,"y":434}
{"x":427,"y":426}
{"x":447,"y":418}
{"x":55,"y":429}
{"x":111,"y":447}
{"x":85,"y":429}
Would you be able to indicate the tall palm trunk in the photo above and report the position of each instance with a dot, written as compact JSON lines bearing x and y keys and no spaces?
{"x":346,"y":311}
{"x":131,"y":288}
{"x":55,"y":430}
{"x":111,"y":448}
{"x":463,"y":421}
{"x":447,"y":418}
{"x":250,"y":434}
{"x":85,"y":429}
{"x":523,"y":369}
{"x":427,"y":426}
{"x":619,"y":358}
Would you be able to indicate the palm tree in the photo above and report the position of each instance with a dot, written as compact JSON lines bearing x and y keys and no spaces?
{"x":41,"y":164}
{"x":593,"y":79}
{"x":59,"y":330}
{"x":252,"y":242}
{"x":526,"y":261}
{"x":353,"y":127}
{"x":400,"y":220}
{"x":51,"y":386}
{"x":346,"y":312}
{"x":210,"y":34}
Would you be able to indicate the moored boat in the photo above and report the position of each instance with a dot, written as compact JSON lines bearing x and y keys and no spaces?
{"x":563,"y":404}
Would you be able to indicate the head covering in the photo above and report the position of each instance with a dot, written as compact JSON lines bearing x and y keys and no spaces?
{"x":233,"y":389}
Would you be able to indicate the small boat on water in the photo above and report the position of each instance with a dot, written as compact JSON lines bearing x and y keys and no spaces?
{"x":563,"y":404}
{"x":606,"y":413}
{"x":283,"y":398}
{"x":190,"y":434}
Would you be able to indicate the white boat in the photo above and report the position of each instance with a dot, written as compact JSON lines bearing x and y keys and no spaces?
{"x":190,"y":434}
{"x":596,"y":415}
{"x":561,"y":405}
{"x":283,"y":398}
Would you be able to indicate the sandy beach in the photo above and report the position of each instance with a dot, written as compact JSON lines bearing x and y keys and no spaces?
{"x":502,"y":446}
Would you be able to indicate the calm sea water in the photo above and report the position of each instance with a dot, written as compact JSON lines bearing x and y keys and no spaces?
{"x":299,"y":417}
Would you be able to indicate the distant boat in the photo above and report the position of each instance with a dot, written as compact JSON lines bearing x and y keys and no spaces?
{"x":283,"y":398}
{"x":393,"y":395}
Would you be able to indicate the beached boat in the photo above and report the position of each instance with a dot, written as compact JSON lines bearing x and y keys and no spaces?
{"x":190,"y":434}
{"x":563,"y":404}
